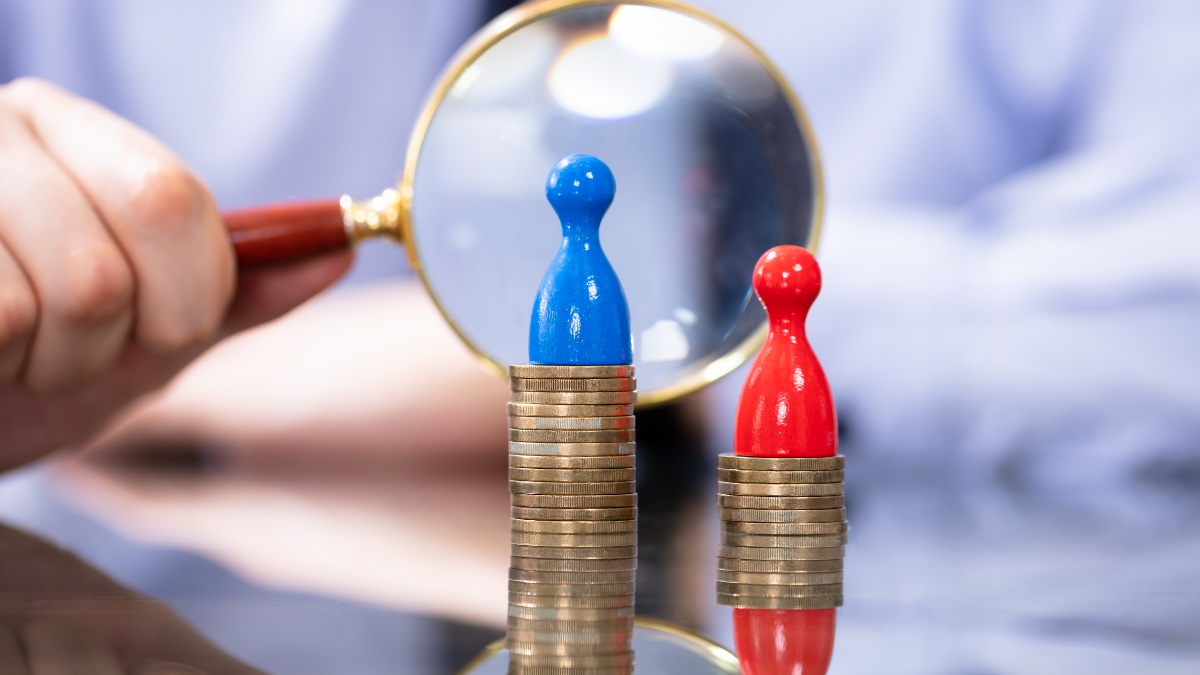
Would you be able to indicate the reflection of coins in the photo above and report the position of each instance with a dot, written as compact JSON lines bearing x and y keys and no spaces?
{"x":551,"y":565}
{"x":572,"y":435}
{"x":571,"y":449}
{"x":739,"y":476}
{"x":574,"y":514}
{"x":623,"y":422}
{"x":575,"y":398}
{"x":531,"y":371}
{"x":537,"y":576}
{"x":588,"y":662}
{"x":570,"y":475}
{"x":779,"y":566}
{"x":748,"y":502}
{"x":573,"y":384}
{"x":751,"y":602}
{"x":777,"y":591}
{"x":575,"y":540}
{"x":759,"y":553}
{"x":552,"y":488}
{"x":570,"y":613}
{"x":778,"y":541}
{"x":781,"y":579}
{"x":731,"y":461}
{"x":575,"y":526}
{"x":572,"y":602}
{"x":568,"y":410}
{"x":783,"y":516}
{"x":780,"y":489}
{"x":805,"y":529}
{"x":574,"y":501}
{"x":569,"y":590}
{"x":557,"y":462}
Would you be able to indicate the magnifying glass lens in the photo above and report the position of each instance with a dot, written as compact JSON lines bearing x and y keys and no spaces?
{"x":712,"y":162}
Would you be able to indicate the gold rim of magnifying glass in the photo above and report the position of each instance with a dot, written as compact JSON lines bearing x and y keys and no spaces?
{"x":715,"y":651}
{"x":510,"y":22}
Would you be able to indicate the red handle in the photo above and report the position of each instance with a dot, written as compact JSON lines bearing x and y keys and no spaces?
{"x":283,"y":232}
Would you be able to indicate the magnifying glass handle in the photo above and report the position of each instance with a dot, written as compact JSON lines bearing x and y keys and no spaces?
{"x":278,"y":233}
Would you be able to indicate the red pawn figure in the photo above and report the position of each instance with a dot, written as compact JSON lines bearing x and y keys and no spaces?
{"x":786,"y":410}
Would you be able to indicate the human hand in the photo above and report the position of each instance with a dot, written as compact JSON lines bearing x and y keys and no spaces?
{"x":115,"y":269}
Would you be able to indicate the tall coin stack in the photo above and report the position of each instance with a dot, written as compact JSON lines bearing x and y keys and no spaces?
{"x":783,"y":531}
{"x":574,"y":520}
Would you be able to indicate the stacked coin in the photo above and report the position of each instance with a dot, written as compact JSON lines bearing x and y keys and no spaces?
{"x":574,"y":520}
{"x":783,"y":531}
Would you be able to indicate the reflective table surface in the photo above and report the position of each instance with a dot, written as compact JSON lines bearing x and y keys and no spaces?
{"x":363,"y":570}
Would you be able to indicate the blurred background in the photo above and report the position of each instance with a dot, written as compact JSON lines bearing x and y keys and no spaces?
{"x":1009,"y":323}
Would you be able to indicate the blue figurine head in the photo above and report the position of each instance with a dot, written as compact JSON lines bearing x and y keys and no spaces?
{"x":580,"y":188}
{"x":580,"y":316}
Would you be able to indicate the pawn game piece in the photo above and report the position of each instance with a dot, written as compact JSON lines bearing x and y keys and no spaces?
{"x":580,"y":316}
{"x":786,"y":410}
{"x":786,"y":407}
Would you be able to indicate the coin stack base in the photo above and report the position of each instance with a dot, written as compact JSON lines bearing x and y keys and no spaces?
{"x":783,"y":532}
{"x":574,"y":520}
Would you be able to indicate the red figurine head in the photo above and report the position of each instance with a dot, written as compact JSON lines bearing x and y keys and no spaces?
{"x":786,"y":408}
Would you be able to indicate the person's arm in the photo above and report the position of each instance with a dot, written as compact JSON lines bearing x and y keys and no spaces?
{"x":115,"y":269}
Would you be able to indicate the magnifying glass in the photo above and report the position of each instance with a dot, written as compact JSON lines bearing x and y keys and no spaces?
{"x":714,"y":160}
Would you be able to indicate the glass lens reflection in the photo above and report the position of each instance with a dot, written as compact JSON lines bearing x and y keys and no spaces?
{"x":712,"y":166}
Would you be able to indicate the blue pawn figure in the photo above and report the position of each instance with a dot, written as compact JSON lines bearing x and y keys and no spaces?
{"x":580,"y":316}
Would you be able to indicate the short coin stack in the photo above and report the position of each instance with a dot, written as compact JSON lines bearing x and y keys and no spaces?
{"x":574,"y":520}
{"x":783,"y":531}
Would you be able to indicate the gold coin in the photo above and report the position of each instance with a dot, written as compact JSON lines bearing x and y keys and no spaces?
{"x":570,"y":613}
{"x":781,"y":579}
{"x":568,"y":410}
{"x":750,"y":602}
{"x":577,"y":423}
{"x":553,"y":488}
{"x":528,"y":370}
{"x":610,"y":625}
{"x":521,"y":669}
{"x":776,"y":591}
{"x":739,"y":476}
{"x":779,"y":489}
{"x":581,"y":384}
{"x":778,"y":541}
{"x":575,"y":398}
{"x":570,"y":475}
{"x":571,"y":449}
{"x":572,"y":435}
{"x":557,"y":462}
{"x":574,"y":501}
{"x":571,"y":590}
{"x":729,"y":460}
{"x":789,"y":529}
{"x":589,"y":662}
{"x":747,"y":502}
{"x":574,"y":514}
{"x":783,"y":516}
{"x":779,"y":566}
{"x":538,"y":576}
{"x":564,"y":553}
{"x":552,"y":565}
{"x":571,"y":602}
{"x":574,"y":526}
{"x":758,"y":553}
{"x":574,"y":540}
{"x":568,"y":644}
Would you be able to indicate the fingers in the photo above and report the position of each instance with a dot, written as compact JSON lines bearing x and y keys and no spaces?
{"x":18,"y":316}
{"x":12,"y":662}
{"x":56,"y":646}
{"x":78,"y":274}
{"x":161,"y":215}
